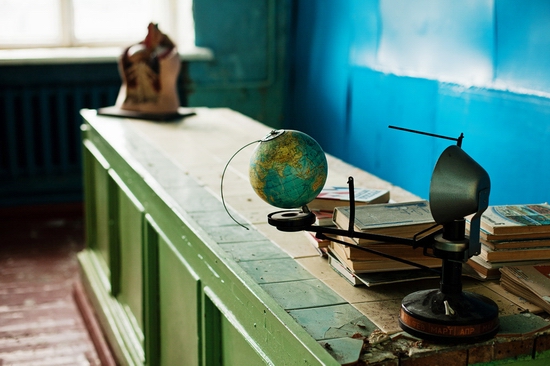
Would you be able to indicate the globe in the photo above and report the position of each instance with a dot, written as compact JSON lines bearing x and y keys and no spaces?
{"x":288,"y":169}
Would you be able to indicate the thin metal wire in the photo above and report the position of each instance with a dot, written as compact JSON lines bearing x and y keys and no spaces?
{"x":223,"y":175}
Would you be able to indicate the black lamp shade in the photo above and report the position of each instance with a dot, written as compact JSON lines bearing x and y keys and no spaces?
{"x":459,"y":186}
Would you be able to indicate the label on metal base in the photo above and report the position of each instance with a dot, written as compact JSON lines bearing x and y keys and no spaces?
{"x":449,"y":330}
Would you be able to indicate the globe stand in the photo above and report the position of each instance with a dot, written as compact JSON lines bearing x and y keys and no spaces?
{"x":272,"y":135}
{"x":291,"y":220}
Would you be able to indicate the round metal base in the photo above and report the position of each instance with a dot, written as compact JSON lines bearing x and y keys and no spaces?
{"x":291,"y":220}
{"x":462,"y":318}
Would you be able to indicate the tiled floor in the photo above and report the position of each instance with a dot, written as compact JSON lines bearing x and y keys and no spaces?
{"x":40,"y":322}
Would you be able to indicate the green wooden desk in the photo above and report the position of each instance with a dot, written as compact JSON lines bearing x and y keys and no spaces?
{"x":175,"y":281}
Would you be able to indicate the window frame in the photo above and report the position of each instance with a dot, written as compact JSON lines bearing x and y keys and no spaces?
{"x":166,"y":14}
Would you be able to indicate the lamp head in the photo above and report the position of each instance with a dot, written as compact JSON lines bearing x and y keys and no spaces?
{"x":459,"y":187}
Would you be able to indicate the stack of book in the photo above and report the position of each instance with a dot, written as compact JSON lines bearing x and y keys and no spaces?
{"x":531,"y":282}
{"x":333,"y":196}
{"x":512,"y":235}
{"x":402,"y":220}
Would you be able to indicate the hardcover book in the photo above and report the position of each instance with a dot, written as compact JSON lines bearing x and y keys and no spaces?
{"x":393,"y":219}
{"x":323,"y":218}
{"x":491,"y":270}
{"x":516,"y":243}
{"x":509,"y":255}
{"x":381,"y":265}
{"x":516,"y":219}
{"x":397,"y":250}
{"x":486,"y":270}
{"x":321,"y":245}
{"x":379,"y":278}
{"x":333,"y":196}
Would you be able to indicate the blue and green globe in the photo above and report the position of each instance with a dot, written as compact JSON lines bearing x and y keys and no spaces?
{"x":288,"y":169}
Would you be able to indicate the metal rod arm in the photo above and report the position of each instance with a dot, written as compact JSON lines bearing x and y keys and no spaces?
{"x":458,"y":140}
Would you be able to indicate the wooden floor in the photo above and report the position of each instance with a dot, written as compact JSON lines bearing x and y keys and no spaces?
{"x":41,"y":322}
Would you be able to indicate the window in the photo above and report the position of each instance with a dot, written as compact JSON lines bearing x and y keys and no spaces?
{"x":72,"y":23}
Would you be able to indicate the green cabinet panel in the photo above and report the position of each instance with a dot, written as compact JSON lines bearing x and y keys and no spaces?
{"x":179,"y":306}
{"x":234,"y":349}
{"x":226,"y":342}
{"x":101,"y":210}
{"x":151,"y":326}
{"x":129,"y":226}
{"x":97,"y":202}
{"x":114,"y":226}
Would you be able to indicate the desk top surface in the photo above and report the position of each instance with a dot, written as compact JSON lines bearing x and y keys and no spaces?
{"x":201,"y":146}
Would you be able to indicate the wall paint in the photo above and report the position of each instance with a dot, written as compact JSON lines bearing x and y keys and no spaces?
{"x":248,"y":39}
{"x":445,"y":40}
{"x":318,"y":94}
{"x":481,"y":68}
{"x":523,"y":44}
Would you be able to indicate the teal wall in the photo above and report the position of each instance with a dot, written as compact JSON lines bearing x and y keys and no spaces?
{"x":248,"y":73}
{"x":478,"y":67}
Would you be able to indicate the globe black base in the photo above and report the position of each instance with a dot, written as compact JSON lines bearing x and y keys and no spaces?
{"x":460,"y":318}
{"x":291,"y":220}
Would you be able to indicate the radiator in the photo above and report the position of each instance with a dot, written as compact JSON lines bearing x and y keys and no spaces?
{"x":40,"y":147}
{"x":40,"y":153}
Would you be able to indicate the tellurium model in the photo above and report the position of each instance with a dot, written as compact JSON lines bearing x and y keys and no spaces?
{"x":288,"y":169}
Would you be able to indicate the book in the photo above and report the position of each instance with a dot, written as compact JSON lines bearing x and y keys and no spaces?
{"x":321,"y":245}
{"x":516,"y":244}
{"x":334,"y":196}
{"x":484,"y":235}
{"x":516,"y":219}
{"x":397,"y":250}
{"x":323,"y":218}
{"x":515,"y":254}
{"x":384,"y":278}
{"x":491,"y":270}
{"x":484,"y":269}
{"x":530,"y":282}
{"x":403,"y":220}
{"x":382,"y":265}
{"x":339,"y":268}
{"x":379,"y":278}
